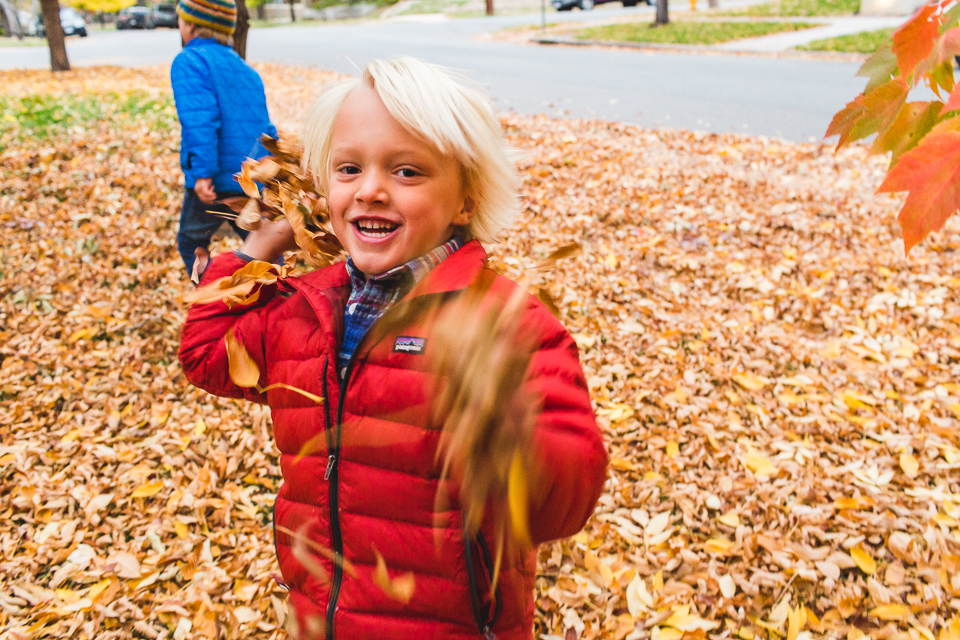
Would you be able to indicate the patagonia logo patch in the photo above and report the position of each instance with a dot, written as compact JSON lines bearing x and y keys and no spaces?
{"x":407,"y":344}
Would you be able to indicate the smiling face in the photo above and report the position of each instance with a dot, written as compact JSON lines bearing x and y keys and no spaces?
{"x":392,"y":196}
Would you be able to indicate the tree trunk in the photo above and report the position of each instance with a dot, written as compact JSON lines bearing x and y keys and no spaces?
{"x":489,"y":7}
{"x":240,"y":33}
{"x":262,"y":11}
{"x":51,"y":25}
{"x":713,"y":4}
{"x":663,"y":16}
{"x":293,"y":14}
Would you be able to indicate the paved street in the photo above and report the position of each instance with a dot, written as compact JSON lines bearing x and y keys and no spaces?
{"x":781,"y":97}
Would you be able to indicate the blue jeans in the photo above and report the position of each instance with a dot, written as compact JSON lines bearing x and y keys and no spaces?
{"x":197,"y":226}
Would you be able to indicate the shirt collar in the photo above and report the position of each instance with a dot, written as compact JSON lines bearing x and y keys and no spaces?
{"x":416,"y":269}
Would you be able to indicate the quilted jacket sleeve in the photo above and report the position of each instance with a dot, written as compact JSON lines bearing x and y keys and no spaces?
{"x":199,"y":114}
{"x":571,"y":459}
{"x":203,"y":350}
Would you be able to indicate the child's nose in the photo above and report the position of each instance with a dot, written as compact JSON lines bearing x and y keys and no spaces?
{"x":372,"y":188}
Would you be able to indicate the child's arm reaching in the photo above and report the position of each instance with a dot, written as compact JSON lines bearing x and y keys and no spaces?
{"x":570,"y":457}
{"x":203,"y":348}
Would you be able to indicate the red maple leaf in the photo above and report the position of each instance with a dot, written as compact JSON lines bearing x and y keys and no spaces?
{"x":930,"y":173}
{"x":869,"y":112}
{"x":915,"y":39}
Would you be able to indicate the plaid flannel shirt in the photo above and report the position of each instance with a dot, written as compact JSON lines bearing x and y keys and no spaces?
{"x":371,"y":297}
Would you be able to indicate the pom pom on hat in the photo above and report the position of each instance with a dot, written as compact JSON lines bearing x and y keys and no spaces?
{"x":218,"y":15}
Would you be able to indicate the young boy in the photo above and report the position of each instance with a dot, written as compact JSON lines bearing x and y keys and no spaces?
{"x":416,"y":174}
{"x":222,"y":110}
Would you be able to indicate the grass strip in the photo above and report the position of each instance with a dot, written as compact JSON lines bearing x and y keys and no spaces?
{"x":864,"y":42}
{"x":798,"y":8}
{"x":686,"y":32}
{"x":43,"y":116}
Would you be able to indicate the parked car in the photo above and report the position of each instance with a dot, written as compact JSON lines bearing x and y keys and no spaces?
{"x":71,"y":22}
{"x":587,"y":5}
{"x":165,"y":15}
{"x":135,"y":18}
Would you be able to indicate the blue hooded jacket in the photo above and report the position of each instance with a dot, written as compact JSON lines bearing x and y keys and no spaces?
{"x":222,"y":109}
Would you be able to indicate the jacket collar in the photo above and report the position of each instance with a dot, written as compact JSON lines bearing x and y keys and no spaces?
{"x":456,"y":272}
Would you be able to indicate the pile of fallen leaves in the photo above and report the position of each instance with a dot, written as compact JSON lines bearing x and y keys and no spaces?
{"x":778,"y":385}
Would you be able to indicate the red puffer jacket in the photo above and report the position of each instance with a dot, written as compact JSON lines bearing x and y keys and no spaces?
{"x":360,"y":470}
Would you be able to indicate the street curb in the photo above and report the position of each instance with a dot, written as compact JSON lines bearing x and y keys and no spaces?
{"x":700,"y":49}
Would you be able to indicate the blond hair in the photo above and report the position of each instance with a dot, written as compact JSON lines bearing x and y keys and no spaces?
{"x":207,"y":32}
{"x":442,"y":108}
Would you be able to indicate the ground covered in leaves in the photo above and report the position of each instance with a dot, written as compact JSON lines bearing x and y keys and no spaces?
{"x":778,"y":385}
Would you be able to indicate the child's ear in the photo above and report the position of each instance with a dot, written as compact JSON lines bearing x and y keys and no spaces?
{"x":466,"y":213}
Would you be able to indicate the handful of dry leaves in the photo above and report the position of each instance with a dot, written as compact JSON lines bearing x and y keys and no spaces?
{"x":287,"y":192}
{"x":486,"y":408}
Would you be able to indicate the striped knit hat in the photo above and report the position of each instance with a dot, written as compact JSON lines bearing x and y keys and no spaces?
{"x":219,"y":15}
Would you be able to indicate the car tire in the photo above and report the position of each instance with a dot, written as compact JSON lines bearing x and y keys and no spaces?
{"x":586,"y":5}
{"x":83,"y":33}
{"x":629,"y":3}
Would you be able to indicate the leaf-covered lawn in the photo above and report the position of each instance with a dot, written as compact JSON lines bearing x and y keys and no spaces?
{"x":778,"y":386}
{"x":864,"y":42}
{"x":687,"y":32}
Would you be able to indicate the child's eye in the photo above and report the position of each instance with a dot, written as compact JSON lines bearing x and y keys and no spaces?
{"x":349,"y":170}
{"x":407,"y":172}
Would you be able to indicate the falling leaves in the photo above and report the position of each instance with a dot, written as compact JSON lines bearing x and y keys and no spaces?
{"x":243,"y":370}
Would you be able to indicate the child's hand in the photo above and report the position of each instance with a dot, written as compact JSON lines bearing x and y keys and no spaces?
{"x":205,"y":191}
{"x":270,"y":240}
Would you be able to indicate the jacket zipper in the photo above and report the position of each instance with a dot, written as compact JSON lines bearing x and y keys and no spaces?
{"x":333,"y":450}
{"x":332,"y":475}
{"x":485,"y":626}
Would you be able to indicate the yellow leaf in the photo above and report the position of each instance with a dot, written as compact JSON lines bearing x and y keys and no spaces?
{"x":891,"y":612}
{"x":797,"y":618}
{"x":750,"y":381}
{"x":621,"y":463}
{"x":956,"y":409}
{"x":181,"y":529}
{"x":665,"y":633}
{"x":290,"y":387}
{"x":909,"y":464}
{"x":672,"y":448}
{"x":399,"y":588}
{"x":759,"y":464}
{"x":243,"y":370}
{"x":944,"y":520}
{"x":718,"y":545}
{"x":98,"y":588}
{"x":70,"y":437}
{"x":730,"y":519}
{"x":199,"y":427}
{"x":863,"y":560}
{"x":683,"y":620}
{"x":856,"y":400}
{"x":147,"y":490}
{"x":83,"y":334}
{"x":951,"y":629}
{"x":518,"y":501}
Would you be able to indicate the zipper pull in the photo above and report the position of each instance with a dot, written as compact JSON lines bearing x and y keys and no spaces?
{"x":488,"y":634}
{"x":332,"y":460}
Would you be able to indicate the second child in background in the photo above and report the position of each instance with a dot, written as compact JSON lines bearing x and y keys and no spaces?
{"x":222,"y":109}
